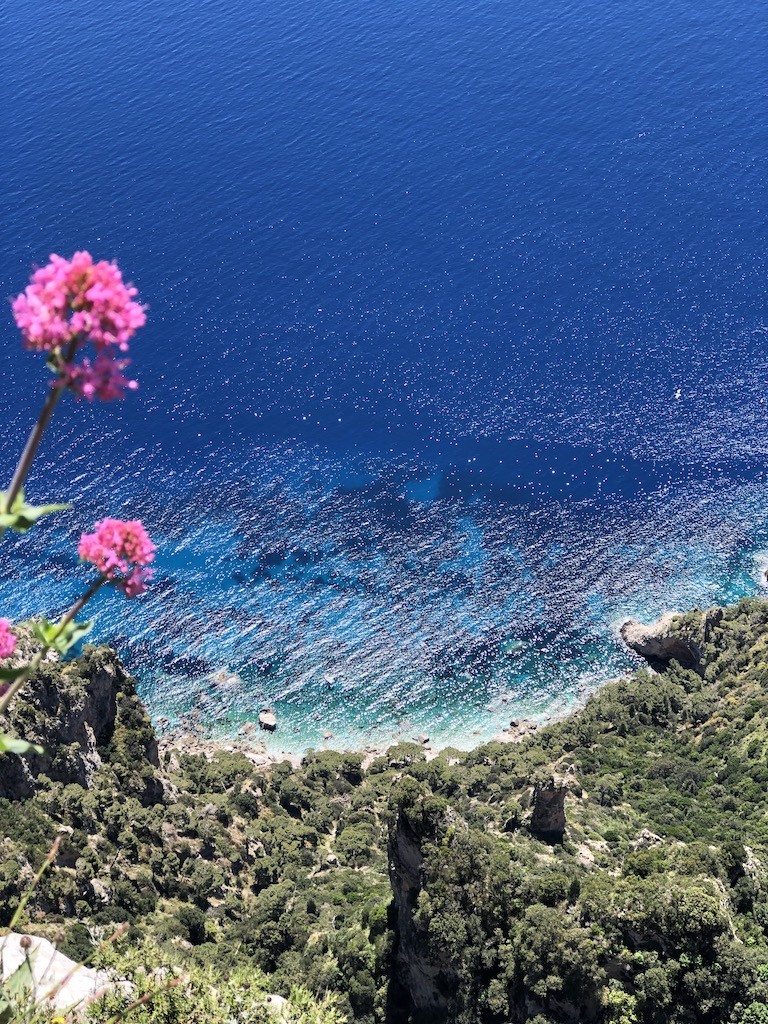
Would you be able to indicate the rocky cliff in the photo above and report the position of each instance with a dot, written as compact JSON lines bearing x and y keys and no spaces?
{"x":673,"y":637}
{"x":425,"y":978}
{"x":462,"y":918}
{"x":84,"y":714}
{"x":548,"y":817}
{"x":430,"y":890}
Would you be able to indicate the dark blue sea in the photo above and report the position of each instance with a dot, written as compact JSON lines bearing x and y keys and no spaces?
{"x":456,"y":350}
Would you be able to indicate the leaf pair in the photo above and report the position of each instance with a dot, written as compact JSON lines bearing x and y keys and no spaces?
{"x":21,"y":517}
{"x":17,"y":994}
{"x":57,"y":636}
{"x":11,"y":745}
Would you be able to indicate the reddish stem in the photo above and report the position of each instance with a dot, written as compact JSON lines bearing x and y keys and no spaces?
{"x":33,"y":443}
{"x":36,"y":434}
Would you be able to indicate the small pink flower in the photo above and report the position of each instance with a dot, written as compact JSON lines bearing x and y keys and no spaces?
{"x":74,"y":297}
{"x":102,"y":379}
{"x":7,"y":639}
{"x":136,"y":582}
{"x":71,"y":302}
{"x":120,"y":550}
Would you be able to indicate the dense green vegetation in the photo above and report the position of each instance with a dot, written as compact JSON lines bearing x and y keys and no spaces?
{"x":653,"y":908}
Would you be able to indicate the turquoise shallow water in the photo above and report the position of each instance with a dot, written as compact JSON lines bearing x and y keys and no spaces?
{"x":455,"y":351}
{"x":362,"y":600}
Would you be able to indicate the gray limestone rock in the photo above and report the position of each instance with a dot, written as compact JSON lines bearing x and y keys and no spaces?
{"x":548,"y":817}
{"x":74,"y":711}
{"x":668,"y":639}
{"x":429,"y":981}
{"x":70,"y":986}
{"x":268,"y":721}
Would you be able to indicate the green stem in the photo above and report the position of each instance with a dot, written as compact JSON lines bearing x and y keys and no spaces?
{"x":32,"y":445}
{"x":36,"y":434}
{"x":81,"y":602}
{"x":34,"y":665}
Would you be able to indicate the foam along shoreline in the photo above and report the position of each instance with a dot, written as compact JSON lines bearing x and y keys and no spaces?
{"x":262,"y":745}
{"x":666,"y":644}
{"x":190,"y":742}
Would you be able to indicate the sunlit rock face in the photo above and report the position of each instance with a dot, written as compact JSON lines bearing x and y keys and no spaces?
{"x":58,"y":982}
{"x":84,"y":714}
{"x":548,"y":817}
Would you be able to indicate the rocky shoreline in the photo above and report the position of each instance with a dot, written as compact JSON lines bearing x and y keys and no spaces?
{"x":192,"y":743}
{"x":656,"y":644}
{"x":91,"y":709}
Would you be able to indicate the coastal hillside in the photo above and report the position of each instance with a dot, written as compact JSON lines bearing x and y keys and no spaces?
{"x":613,"y":867}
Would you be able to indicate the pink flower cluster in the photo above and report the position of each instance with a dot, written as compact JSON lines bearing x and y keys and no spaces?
{"x":121,"y":550}
{"x":102,"y":379}
{"x":7,"y":639}
{"x":71,"y":302}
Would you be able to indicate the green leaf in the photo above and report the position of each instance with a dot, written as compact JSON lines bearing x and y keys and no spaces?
{"x":52,"y":635}
{"x":10,"y":745}
{"x":21,"y":983}
{"x":21,"y":516}
{"x":8,"y":675}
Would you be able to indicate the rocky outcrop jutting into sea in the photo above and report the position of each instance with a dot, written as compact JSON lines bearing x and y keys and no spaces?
{"x":672,"y":637}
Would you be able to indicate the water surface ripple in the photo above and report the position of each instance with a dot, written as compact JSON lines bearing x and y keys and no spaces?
{"x":456,"y":345}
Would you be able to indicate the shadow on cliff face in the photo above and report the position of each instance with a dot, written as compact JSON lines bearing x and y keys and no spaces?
{"x":456,"y":894}
{"x":423,"y":984}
